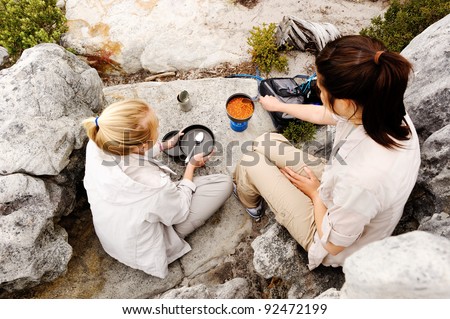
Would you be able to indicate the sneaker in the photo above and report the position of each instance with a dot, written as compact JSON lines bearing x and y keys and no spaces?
{"x":257,"y":212}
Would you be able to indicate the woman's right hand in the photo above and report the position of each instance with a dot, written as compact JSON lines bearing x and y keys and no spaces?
{"x":271,"y":103}
{"x":199,"y":160}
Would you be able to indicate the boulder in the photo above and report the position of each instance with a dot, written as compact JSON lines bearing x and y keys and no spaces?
{"x":428,"y":93}
{"x":32,"y":248}
{"x":61,"y":4}
{"x":123,"y":282}
{"x":434,"y":172}
{"x":43,"y":98}
{"x":426,"y":99}
{"x":412,"y":265}
{"x":166,"y":35}
{"x":236,"y":288}
{"x":331,"y":293}
{"x":438,"y":224}
{"x":277,"y":255}
{"x":154,"y":35}
{"x":3,"y":56}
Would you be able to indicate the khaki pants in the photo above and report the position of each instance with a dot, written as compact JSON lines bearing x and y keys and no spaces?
{"x":257,"y":174}
{"x":211,"y":193}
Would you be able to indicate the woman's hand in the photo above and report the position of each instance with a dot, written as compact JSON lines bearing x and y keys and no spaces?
{"x":270,"y":103}
{"x":199,"y":160}
{"x":172,"y":141}
{"x":308,"y":185}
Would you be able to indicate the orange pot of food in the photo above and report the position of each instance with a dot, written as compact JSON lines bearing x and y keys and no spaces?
{"x":240,"y":108}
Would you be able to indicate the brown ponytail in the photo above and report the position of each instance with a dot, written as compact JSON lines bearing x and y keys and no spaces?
{"x":361,"y":69}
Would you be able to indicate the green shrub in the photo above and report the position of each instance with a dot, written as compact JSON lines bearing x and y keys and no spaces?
{"x":403,"y":21}
{"x":264,"y":50}
{"x":25,"y":23}
{"x":297,"y":132}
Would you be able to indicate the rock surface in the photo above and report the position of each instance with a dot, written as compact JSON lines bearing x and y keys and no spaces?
{"x":277,"y":255}
{"x":236,"y":288}
{"x":27,"y":208}
{"x":222,"y":253}
{"x":221,"y":249}
{"x":167,"y":35}
{"x":428,"y":94}
{"x":412,"y":265}
{"x":438,"y":224}
{"x":3,"y":56}
{"x":427,"y":99}
{"x":42,"y":99}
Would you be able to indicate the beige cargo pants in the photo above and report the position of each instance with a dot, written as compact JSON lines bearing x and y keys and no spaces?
{"x":257,"y":174}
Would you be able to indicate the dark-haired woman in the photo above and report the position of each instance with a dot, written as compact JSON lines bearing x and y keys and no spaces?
{"x":358,"y":197}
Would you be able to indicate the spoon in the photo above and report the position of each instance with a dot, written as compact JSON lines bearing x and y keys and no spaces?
{"x":198,"y":139}
{"x":254,"y":98}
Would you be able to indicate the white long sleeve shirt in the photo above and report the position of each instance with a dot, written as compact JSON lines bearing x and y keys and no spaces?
{"x":134,"y":205}
{"x":365,"y":189}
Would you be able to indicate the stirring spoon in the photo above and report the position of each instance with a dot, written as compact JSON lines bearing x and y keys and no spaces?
{"x":198,"y":139}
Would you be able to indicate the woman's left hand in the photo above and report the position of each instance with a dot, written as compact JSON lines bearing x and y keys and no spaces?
{"x":172,"y":141}
{"x":308,"y":185}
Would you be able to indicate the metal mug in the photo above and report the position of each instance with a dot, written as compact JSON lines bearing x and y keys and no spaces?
{"x":184,"y":101}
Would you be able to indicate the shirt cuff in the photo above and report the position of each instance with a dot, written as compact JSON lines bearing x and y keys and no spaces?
{"x":332,"y":236}
{"x":189,"y":184}
{"x":156,"y":150}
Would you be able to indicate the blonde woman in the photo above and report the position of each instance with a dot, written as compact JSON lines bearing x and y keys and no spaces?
{"x":140,"y":216}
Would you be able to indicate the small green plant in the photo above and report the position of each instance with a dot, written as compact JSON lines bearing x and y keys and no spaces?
{"x":297,"y":132}
{"x":264,"y":50}
{"x":405,"y":20}
{"x":26,"y":23}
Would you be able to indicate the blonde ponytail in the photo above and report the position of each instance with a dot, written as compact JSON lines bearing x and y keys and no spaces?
{"x":90,"y":127}
{"x":123,"y":126}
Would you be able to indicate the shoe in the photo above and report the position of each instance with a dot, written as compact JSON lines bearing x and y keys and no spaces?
{"x":257,"y":212}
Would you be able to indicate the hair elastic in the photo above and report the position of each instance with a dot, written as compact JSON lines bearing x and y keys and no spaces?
{"x":377,"y":56}
{"x":96,"y":122}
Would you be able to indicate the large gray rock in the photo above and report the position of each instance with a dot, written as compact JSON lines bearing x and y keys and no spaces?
{"x":236,"y":288}
{"x":43,"y":99}
{"x":428,"y":95}
{"x":427,"y":100}
{"x":123,"y":282}
{"x":277,"y":255}
{"x":32,"y":248}
{"x":331,"y":293}
{"x":435,"y":169}
{"x":438,"y":224}
{"x":209,"y":98}
{"x":3,"y":56}
{"x":412,"y":265}
{"x":167,"y":35}
{"x":213,"y":244}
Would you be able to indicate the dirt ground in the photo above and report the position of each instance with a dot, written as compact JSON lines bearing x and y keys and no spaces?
{"x":222,"y":70}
